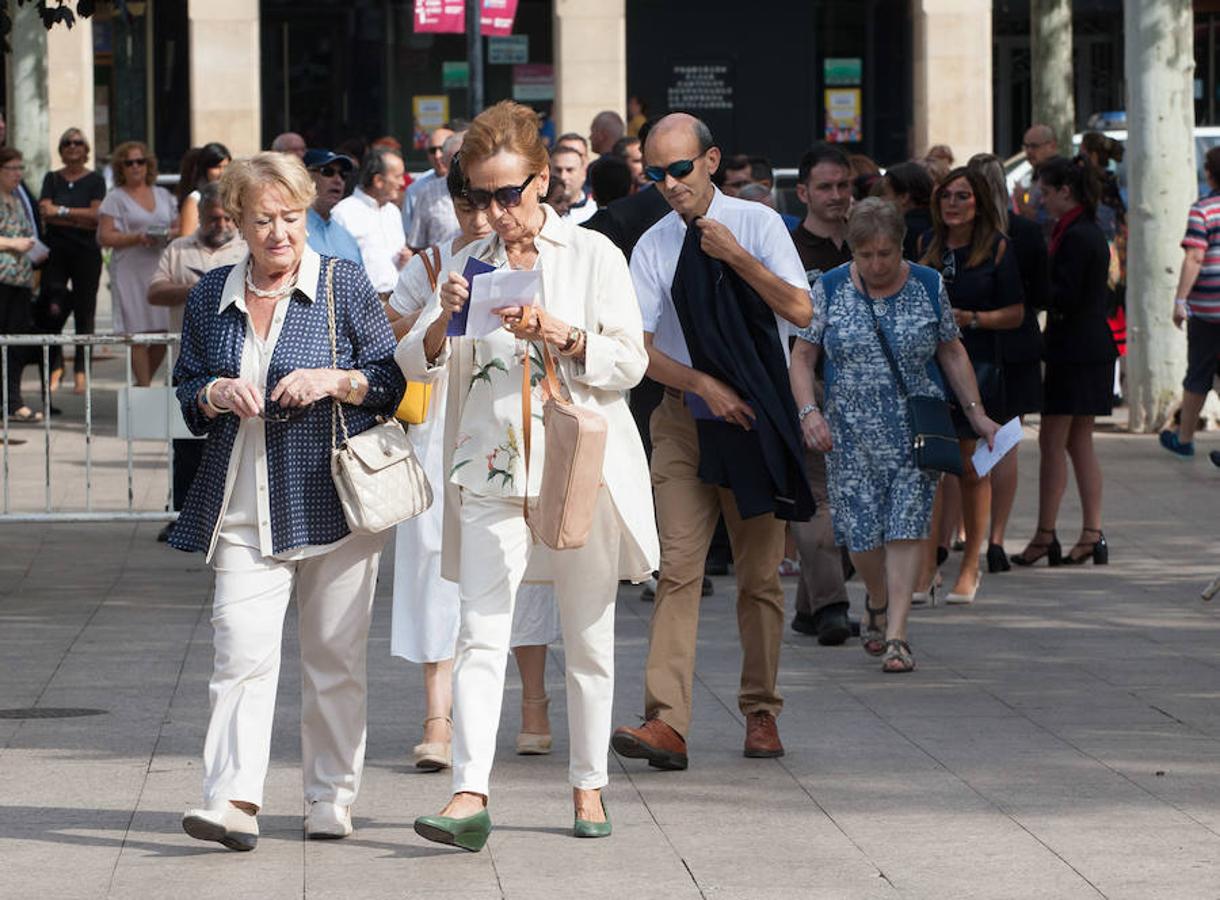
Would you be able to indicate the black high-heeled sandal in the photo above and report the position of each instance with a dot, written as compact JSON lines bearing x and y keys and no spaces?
{"x":1099,"y":550}
{"x":1050,"y":549}
{"x":997,"y":559}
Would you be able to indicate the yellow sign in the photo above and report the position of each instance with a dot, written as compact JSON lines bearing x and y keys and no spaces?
{"x":843,"y":117}
{"x":430,"y":113}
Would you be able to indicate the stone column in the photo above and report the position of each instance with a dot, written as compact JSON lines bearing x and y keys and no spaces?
{"x":70,"y":92}
{"x":953,"y":93}
{"x":226,"y":91}
{"x":590,"y":61}
{"x":27,"y":113}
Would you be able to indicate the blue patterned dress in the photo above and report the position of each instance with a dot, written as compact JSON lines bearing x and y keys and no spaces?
{"x":877,"y":494}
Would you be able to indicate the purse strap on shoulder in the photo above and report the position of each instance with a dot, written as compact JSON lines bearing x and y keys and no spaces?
{"x":336,"y":410}
{"x":885,"y":344}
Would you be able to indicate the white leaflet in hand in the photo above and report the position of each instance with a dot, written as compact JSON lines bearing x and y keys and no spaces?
{"x":1006,"y":438}
{"x":503,"y":287}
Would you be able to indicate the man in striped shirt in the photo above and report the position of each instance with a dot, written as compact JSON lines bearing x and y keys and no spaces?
{"x":1198,"y":305}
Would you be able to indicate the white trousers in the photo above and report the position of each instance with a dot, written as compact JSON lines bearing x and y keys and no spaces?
{"x":334,"y":593}
{"x":496,"y":548}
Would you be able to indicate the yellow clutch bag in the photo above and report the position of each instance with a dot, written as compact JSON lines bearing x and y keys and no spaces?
{"x":413,"y":408}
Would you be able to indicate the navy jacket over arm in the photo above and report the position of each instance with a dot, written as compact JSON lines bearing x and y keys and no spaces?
{"x":305,"y":509}
{"x":732,"y":336}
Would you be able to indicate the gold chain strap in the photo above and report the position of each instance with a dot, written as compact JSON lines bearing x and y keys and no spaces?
{"x":336,"y":409}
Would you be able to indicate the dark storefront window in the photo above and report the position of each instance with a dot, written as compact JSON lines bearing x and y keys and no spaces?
{"x":334,"y":70}
{"x":761,"y":82}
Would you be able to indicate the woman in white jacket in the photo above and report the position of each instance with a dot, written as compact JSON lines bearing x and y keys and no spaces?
{"x":589,"y":316}
{"x":424,"y":618}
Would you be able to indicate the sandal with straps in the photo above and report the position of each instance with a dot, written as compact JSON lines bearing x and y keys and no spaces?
{"x":898,"y":658}
{"x":872,"y":638}
{"x":432,"y":756}
{"x":1050,"y":549}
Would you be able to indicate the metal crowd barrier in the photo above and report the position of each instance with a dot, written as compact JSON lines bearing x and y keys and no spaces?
{"x":89,"y":342}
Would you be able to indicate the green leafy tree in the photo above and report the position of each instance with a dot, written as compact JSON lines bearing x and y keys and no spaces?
{"x":52,"y":12}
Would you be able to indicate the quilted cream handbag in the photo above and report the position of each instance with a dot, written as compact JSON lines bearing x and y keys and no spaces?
{"x":562,"y":516}
{"x":377,"y":477}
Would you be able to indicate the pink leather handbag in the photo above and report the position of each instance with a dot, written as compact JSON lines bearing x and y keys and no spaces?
{"x":562,"y":516}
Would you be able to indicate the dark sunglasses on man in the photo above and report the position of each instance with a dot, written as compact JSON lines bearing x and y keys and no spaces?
{"x":506,"y":197}
{"x":332,"y":171}
{"x":435,"y":151}
{"x":679,"y":169}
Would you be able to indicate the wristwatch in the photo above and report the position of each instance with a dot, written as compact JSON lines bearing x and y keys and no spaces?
{"x":62,"y":212}
{"x":806,"y":410}
{"x":353,"y":385}
{"x":573,"y":337}
{"x":974,"y":320}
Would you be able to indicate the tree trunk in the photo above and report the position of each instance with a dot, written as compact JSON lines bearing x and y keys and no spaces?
{"x":1160,"y":162}
{"x":28,"y":119}
{"x":1050,"y":38}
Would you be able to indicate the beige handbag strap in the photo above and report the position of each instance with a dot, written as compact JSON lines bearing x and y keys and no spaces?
{"x":432,"y":264}
{"x":550,"y":391}
{"x":336,"y":410}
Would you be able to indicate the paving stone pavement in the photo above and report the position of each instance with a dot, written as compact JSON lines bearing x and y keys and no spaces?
{"x":1059,"y":739}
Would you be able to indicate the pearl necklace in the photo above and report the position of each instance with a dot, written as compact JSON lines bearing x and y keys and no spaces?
{"x":275,"y":293}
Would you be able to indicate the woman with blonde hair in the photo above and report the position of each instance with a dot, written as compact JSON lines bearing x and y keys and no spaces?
{"x":588,"y":315}
{"x":261,"y":375}
{"x":136,"y":220}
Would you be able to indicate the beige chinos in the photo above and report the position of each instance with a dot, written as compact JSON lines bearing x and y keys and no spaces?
{"x":687,"y":510}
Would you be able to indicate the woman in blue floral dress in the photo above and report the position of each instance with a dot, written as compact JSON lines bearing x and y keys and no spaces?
{"x":881,"y":502}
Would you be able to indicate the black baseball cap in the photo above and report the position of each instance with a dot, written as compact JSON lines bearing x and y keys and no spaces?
{"x":316,"y":158}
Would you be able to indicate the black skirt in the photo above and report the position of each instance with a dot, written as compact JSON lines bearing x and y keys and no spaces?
{"x":1079,"y":389}
{"x":1022,"y":391}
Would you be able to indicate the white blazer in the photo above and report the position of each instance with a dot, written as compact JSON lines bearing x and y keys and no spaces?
{"x":586,"y":283}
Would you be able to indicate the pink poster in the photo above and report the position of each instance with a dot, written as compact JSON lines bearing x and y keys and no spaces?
{"x":449,"y":17}
{"x":440,"y":16}
{"x":497,"y":17}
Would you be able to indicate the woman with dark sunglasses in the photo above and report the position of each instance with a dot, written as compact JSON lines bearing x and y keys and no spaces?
{"x":968,"y":247}
{"x":136,"y":220}
{"x":588,"y":316}
{"x":69,"y":204}
{"x":207,"y":164}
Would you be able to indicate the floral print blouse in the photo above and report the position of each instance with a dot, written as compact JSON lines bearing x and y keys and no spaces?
{"x":488,"y":456}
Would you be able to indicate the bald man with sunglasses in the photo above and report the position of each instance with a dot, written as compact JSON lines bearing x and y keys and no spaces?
{"x":680,"y":158}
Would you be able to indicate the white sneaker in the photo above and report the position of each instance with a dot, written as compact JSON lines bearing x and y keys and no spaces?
{"x":327,"y":821}
{"x":232,"y":827}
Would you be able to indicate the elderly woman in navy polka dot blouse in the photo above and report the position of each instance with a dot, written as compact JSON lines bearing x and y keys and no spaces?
{"x":256,"y":376}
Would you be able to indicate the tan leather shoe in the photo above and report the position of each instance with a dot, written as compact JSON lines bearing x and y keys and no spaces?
{"x":762,"y":736}
{"x":654,"y":741}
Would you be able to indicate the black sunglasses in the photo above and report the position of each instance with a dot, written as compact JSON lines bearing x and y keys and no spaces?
{"x":332,"y":171}
{"x":276,"y":413}
{"x":507,"y":197}
{"x":432,"y":151}
{"x":678,"y":169}
{"x":72,"y":142}
{"x":132,"y":163}
{"x":948,"y":263}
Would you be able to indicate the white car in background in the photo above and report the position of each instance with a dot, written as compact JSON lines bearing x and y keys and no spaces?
{"x":1017,"y":168}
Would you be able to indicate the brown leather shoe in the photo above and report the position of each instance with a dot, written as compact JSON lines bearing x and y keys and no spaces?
{"x":654,"y":741}
{"x":762,"y":736}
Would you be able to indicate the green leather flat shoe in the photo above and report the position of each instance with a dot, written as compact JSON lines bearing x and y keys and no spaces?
{"x":586,"y":829}
{"x":469,"y":833}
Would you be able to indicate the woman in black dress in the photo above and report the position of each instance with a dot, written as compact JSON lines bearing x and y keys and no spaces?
{"x":1021,"y":348}
{"x":1080,"y":356}
{"x":68,"y":203}
{"x":970,"y":249}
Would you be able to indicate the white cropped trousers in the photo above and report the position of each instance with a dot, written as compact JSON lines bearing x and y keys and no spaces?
{"x":334,"y":593}
{"x":495,"y":550}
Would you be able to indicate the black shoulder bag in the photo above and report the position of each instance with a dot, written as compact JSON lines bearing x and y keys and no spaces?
{"x":934,"y":442}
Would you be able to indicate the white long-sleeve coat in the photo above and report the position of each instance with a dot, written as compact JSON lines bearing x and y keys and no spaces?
{"x":586,"y":283}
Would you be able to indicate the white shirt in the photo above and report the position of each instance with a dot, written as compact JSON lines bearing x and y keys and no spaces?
{"x":433,"y":219}
{"x":378,"y":231}
{"x":578,"y":214}
{"x":409,"y":197}
{"x":761,"y":233}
